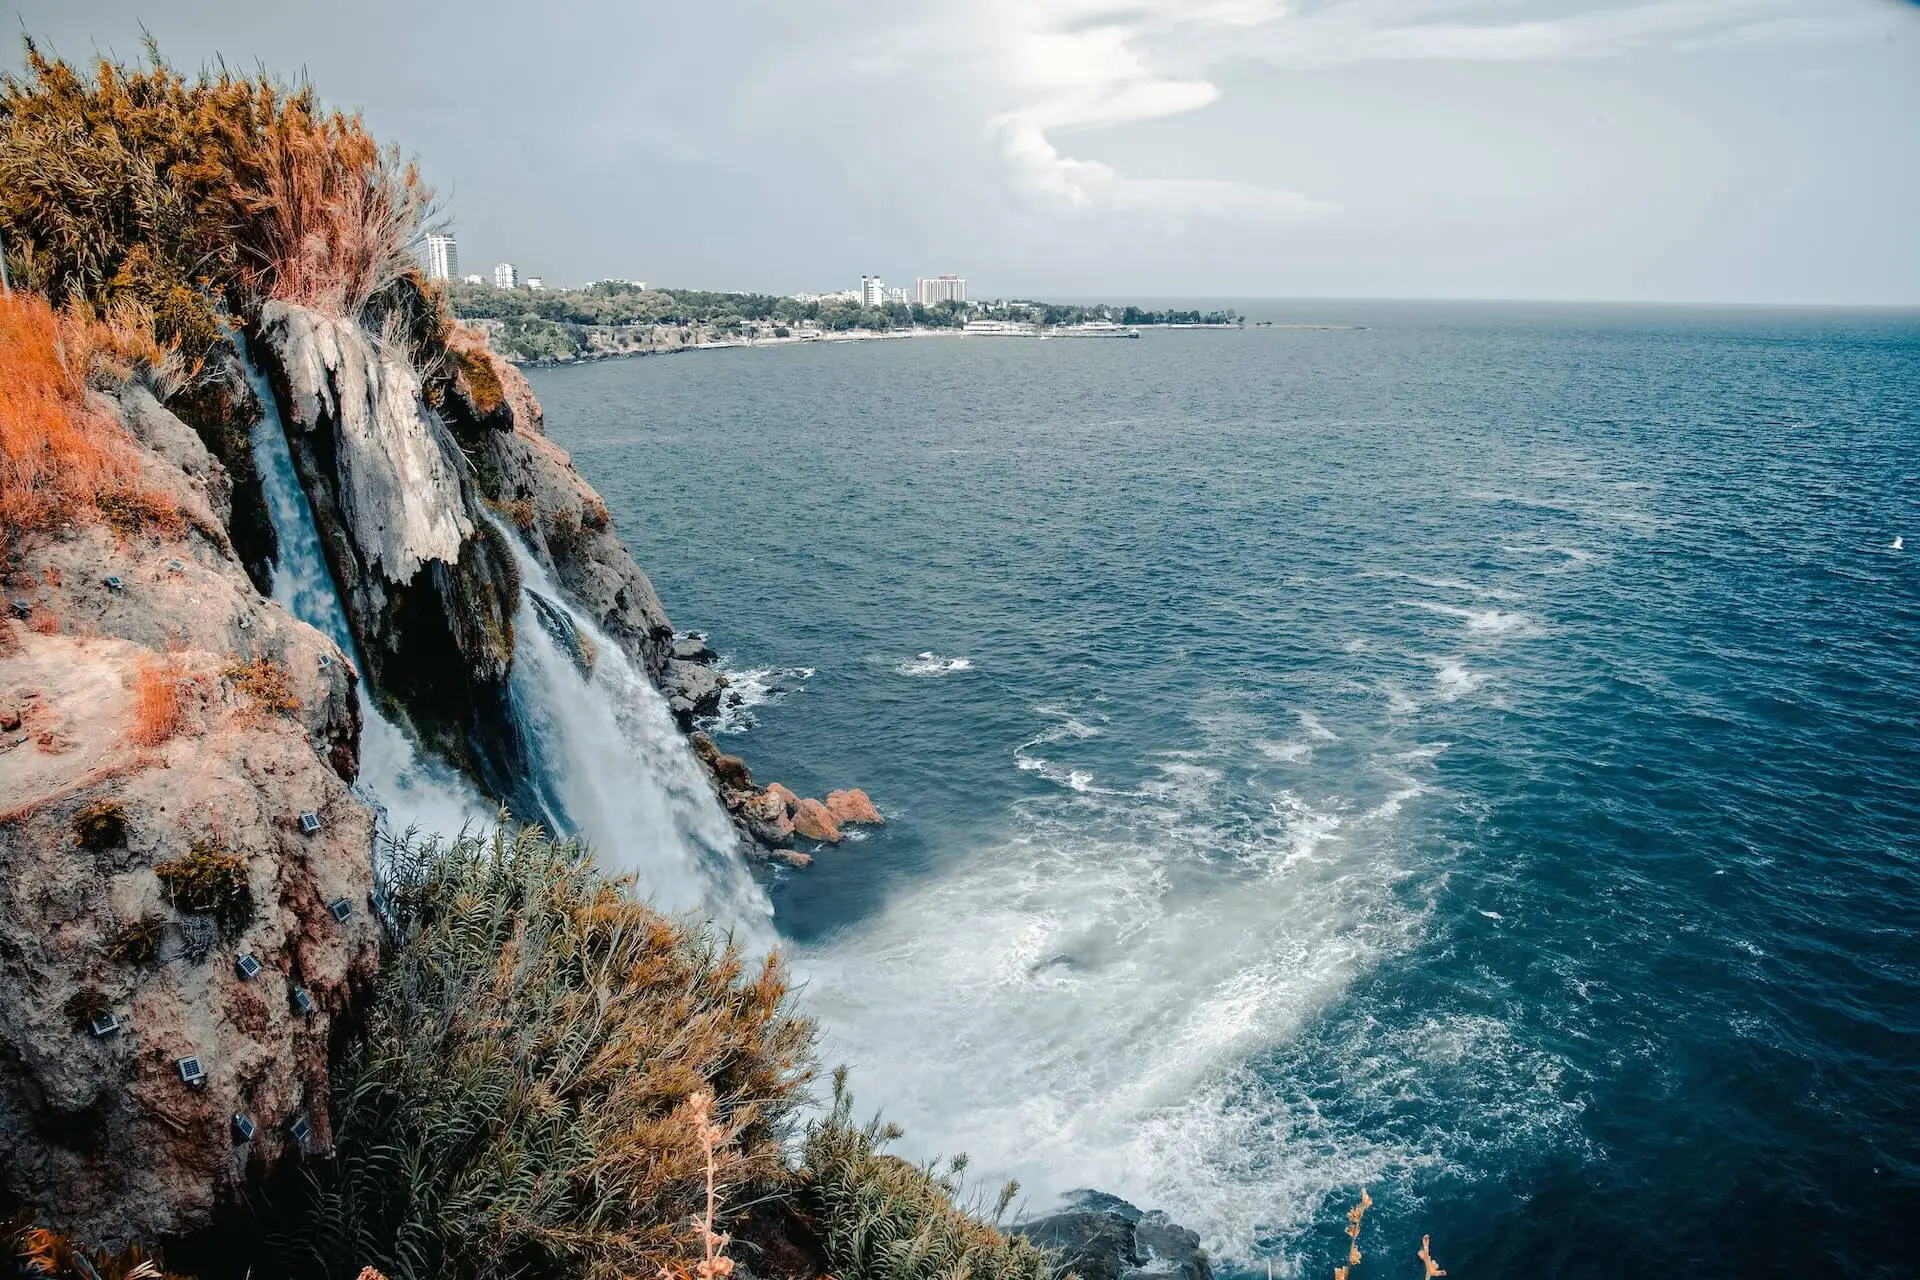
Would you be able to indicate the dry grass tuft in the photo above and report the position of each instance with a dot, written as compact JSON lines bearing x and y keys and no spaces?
{"x":157,"y":713}
{"x":62,"y":458}
{"x":265,"y":684}
{"x":334,"y":217}
{"x":211,"y":880}
{"x":27,"y":1250}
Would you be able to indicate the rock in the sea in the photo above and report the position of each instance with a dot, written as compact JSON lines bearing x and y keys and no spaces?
{"x":1102,"y":1237}
{"x":694,"y":649}
{"x":699,"y":685}
{"x":811,"y":819}
{"x":768,"y":818}
{"x":730,"y":772}
{"x":853,"y":806}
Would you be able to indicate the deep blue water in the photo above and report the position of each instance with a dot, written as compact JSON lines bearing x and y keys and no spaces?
{"x":1472,"y":756}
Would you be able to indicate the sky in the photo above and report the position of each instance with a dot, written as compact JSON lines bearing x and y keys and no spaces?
{"x":1634,"y":150}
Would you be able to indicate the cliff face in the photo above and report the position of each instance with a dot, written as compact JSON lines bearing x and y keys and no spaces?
{"x":429,"y":590}
{"x":165,"y":728}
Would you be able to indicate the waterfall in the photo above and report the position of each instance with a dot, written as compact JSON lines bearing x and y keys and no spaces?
{"x":409,"y":791}
{"x":608,"y":762}
{"x":611,"y":765}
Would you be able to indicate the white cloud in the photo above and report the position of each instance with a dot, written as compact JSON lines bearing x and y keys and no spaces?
{"x":1056,"y":69}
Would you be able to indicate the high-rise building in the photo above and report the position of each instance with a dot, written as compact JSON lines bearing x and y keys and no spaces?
{"x":940,"y":289}
{"x":873,"y":291}
{"x":443,"y":257}
{"x":505,"y":277}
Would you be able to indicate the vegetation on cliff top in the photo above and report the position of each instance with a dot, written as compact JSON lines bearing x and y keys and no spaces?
{"x":521,"y":1089}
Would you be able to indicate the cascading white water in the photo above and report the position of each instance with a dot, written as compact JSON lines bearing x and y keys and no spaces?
{"x":609,"y":764}
{"x":613,"y":767}
{"x":411,"y":791}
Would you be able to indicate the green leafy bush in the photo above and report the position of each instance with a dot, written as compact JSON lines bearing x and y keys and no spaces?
{"x":881,"y":1218}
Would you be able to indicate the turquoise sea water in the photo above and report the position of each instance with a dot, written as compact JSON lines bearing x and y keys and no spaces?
{"x":1472,"y":756}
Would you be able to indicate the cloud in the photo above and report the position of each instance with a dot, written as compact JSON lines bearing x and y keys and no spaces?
{"x":1061,"y":69}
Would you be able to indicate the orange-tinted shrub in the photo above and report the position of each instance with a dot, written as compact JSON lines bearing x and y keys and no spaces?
{"x":61,"y":457}
{"x":157,"y":714}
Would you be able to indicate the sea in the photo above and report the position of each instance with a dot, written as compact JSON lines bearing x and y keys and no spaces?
{"x":1470,"y":752}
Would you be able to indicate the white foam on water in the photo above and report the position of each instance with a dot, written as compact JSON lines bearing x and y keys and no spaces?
{"x":1492,"y":622}
{"x":929,"y":663}
{"x":1454,"y":681}
{"x":1288,"y":752}
{"x":1078,"y":1004}
{"x":751,"y":688}
{"x":1316,"y":730}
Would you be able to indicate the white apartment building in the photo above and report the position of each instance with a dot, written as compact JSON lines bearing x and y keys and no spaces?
{"x":442,"y":257}
{"x":505,"y":277}
{"x":873,"y":291}
{"x":940,"y":289}
{"x":535,"y":282}
{"x":475,"y":279}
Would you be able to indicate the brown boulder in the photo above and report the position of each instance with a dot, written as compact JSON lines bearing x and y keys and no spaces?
{"x":811,"y":819}
{"x":787,"y":797}
{"x":853,"y":806}
{"x":767,"y":818}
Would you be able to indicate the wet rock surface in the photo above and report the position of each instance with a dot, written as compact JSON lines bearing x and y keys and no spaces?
{"x":428,"y":586}
{"x":1102,"y":1237}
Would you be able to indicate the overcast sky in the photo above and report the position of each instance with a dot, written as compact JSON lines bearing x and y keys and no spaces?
{"x":1713,"y":150}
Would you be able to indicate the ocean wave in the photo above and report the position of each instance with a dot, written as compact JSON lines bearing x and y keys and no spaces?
{"x":1454,"y":681}
{"x":751,"y":688}
{"x":929,"y":663}
{"x":1492,"y":622}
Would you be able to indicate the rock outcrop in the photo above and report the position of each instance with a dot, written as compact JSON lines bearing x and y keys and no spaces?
{"x":429,"y":587}
{"x":170,"y":729}
{"x":531,"y":482}
{"x":1102,"y":1237}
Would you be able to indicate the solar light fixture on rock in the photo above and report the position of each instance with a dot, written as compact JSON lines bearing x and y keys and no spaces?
{"x":243,"y":1127}
{"x":309,"y":823}
{"x":22,"y":608}
{"x":300,"y":1130}
{"x":174,"y":566}
{"x":191,"y":1071}
{"x":248,"y":966}
{"x":342,"y":909}
{"x":104,"y":1025}
{"x":114,"y":584}
{"x":303,"y":1001}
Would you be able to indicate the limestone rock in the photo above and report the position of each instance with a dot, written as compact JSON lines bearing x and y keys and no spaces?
{"x":394,"y":476}
{"x":429,"y":586}
{"x":701,"y":686}
{"x":853,"y":806}
{"x":811,"y":819}
{"x":787,"y":798}
{"x":530,"y":480}
{"x":768,"y":818}
{"x":694,"y":649}
{"x":99,"y":1135}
